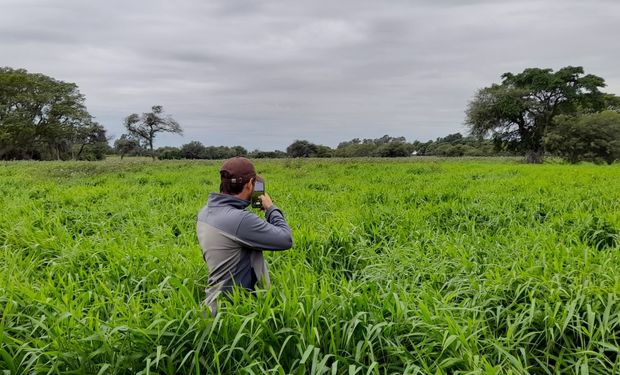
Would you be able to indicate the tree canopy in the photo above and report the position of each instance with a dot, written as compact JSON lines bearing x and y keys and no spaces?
{"x":302,"y":149}
{"x":43,"y":118}
{"x":519,"y":111}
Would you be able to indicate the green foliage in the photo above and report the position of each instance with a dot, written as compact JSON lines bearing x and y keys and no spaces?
{"x":323,"y":151}
{"x":519,"y":111}
{"x":196,"y":150}
{"x":169,"y":153}
{"x":385,"y":146}
{"x":612,"y":102}
{"x":394,"y":149}
{"x":258,"y":154}
{"x":398,"y":267}
{"x":594,"y":137}
{"x":91,"y":142}
{"x":223,"y":152}
{"x":193,"y":150}
{"x":42,"y":118}
{"x":305,"y":149}
{"x":455,"y":145}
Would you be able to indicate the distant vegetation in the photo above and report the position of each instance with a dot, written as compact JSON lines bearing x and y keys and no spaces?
{"x":386,"y":146}
{"x":534,"y":113}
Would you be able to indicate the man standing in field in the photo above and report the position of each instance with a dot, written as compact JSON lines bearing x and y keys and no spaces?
{"x":233,"y":238}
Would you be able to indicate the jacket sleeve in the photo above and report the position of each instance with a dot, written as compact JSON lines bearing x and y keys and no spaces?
{"x":272,"y":234}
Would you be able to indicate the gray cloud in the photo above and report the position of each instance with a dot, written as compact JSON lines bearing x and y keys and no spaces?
{"x":263,"y":73}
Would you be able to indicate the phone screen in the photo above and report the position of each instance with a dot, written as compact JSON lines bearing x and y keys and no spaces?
{"x":259,"y":189}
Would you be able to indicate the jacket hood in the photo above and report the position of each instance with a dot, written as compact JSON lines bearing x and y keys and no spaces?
{"x":217,"y":199}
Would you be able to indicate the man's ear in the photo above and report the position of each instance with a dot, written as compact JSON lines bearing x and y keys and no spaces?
{"x":251,"y":183}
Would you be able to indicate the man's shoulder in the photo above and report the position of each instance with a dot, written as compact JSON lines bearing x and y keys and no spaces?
{"x":224,"y":218}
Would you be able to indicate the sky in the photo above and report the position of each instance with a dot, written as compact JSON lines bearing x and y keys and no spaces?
{"x":262,"y":74}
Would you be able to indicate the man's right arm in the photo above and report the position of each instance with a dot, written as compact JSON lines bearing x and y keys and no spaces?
{"x":271,"y":234}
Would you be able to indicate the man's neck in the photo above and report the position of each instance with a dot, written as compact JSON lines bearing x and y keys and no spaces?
{"x":242,"y":197}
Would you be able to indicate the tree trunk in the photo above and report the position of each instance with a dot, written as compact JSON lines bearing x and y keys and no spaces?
{"x":573,"y":158}
{"x":80,"y":153}
{"x":151,"y":146}
{"x":534,"y":156}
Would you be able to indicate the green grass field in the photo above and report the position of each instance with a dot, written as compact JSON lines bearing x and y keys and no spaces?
{"x":399,"y":266}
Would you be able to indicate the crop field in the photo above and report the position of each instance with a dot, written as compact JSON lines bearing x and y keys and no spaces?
{"x":398,"y":267}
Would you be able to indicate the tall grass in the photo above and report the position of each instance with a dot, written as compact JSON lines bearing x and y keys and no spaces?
{"x":399,"y":267}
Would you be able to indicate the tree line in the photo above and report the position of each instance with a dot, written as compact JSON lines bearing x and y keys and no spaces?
{"x":452,"y":145}
{"x":42,"y":118}
{"x":534,"y":113}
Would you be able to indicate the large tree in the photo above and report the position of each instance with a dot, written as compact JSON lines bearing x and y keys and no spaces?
{"x":148,"y":125}
{"x":40,"y":117}
{"x":518,"y":112}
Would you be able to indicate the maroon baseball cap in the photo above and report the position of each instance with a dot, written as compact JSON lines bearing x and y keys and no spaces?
{"x":238,"y":170}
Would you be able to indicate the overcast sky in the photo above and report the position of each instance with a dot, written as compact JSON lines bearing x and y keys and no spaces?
{"x":263,"y":73}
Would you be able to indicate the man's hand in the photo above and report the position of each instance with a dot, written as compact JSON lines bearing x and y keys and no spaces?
{"x":265,"y":199}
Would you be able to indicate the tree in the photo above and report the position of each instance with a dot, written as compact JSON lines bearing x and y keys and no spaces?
{"x":519,"y":111}
{"x":594,"y":137}
{"x":169,"y":153}
{"x":126,"y":144}
{"x":238,"y":151}
{"x":612,"y":102}
{"x":258,"y":154}
{"x":394,"y":149}
{"x":193,"y":150}
{"x":40,"y":117}
{"x":224,"y":152}
{"x":385,"y":140}
{"x":354,"y":148}
{"x":385,"y":146}
{"x":451,"y":138}
{"x":301,"y":149}
{"x":323,"y":151}
{"x":148,"y":125}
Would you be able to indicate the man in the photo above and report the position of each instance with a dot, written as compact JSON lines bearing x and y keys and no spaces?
{"x":232,"y":238}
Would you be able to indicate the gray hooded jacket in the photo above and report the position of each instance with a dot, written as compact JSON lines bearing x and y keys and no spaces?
{"x":232,"y":240}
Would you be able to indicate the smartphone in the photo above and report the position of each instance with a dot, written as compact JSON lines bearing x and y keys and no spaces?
{"x":259,"y":189}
